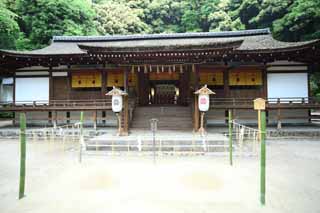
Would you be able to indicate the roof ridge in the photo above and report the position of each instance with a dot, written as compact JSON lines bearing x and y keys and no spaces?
{"x":252,"y":32}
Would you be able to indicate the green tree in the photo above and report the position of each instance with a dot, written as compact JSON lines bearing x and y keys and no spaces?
{"x":118,"y":18}
{"x":222,"y":19}
{"x":9,"y":28}
{"x":301,"y":22}
{"x":42,"y":19}
{"x":164,"y":15}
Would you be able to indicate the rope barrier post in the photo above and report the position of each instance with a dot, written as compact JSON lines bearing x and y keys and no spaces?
{"x":230,"y":135}
{"x":263,"y":158}
{"x":22,"y":154}
{"x":260,"y":105}
{"x":153,"y":124}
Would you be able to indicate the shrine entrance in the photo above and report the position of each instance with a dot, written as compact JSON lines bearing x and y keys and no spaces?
{"x":164,"y":92}
{"x":164,"y":85}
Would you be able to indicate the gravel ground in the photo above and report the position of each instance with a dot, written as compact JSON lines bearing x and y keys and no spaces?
{"x":57,"y":182}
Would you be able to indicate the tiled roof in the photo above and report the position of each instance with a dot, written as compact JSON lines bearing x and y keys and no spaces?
{"x":246,"y":40}
{"x":224,"y":34}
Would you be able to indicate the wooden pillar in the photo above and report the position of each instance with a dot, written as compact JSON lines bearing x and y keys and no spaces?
{"x":265,"y":83}
{"x":196,"y":118}
{"x":196,"y":83}
{"x":196,"y":114}
{"x":51,"y":86}
{"x":14,"y":98}
{"x":125,"y":115}
{"x":103,"y":84}
{"x":226,"y":89}
{"x":126,"y":102}
{"x":311,"y":68}
{"x":126,"y":80}
{"x":69,"y":83}
{"x":143,"y":88}
{"x":265,"y":90}
{"x":51,"y":94}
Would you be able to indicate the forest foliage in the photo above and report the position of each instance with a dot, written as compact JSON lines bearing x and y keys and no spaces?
{"x":30,"y":24}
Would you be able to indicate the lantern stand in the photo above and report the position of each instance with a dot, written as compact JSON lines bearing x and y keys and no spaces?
{"x":117,"y":106}
{"x":203,"y":103}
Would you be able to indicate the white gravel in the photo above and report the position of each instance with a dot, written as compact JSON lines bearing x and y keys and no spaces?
{"x":57,"y":182}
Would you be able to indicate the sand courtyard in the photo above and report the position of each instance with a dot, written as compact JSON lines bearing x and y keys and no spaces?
{"x":57,"y":182}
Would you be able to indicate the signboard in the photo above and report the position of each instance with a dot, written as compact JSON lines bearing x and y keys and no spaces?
{"x":89,"y":79}
{"x":203,"y":102}
{"x":259,"y":104}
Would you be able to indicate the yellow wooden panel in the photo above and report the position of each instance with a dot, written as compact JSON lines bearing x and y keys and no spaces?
{"x":203,"y":78}
{"x":215,"y":78}
{"x":86,"y":79}
{"x":245,"y":78}
{"x":237,"y":78}
{"x":254,"y":77}
{"x":115,"y":78}
{"x":132,"y":79}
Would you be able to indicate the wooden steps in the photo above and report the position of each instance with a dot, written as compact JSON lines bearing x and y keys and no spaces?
{"x":170,"y":117}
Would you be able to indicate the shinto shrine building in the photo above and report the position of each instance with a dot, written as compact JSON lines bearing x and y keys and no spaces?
{"x":160,"y":73}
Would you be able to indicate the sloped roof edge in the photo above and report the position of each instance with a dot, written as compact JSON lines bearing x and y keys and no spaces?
{"x":239,"y":33}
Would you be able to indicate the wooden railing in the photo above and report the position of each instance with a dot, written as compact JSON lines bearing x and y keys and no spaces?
{"x":39,"y":105}
{"x":271,"y":103}
{"x":105,"y":104}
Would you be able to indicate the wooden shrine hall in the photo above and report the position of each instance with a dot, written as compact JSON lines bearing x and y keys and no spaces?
{"x":160,"y":73}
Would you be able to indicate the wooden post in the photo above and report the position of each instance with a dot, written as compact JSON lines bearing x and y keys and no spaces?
{"x":103,"y":84}
{"x":263,"y":158}
{"x":126,"y":115}
{"x":14,"y":98}
{"x":51,"y":86}
{"x":265,"y":82}
{"x":126,"y":80}
{"x":196,"y":114}
{"x":226,"y":85}
{"x":202,"y":131}
{"x":22,"y":154}
{"x":230,"y":135}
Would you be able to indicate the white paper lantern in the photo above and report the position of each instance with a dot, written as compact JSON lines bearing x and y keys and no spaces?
{"x":117,"y":103}
{"x":203,"y":102}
